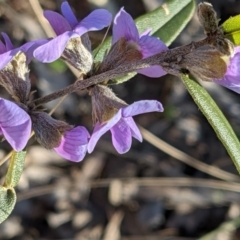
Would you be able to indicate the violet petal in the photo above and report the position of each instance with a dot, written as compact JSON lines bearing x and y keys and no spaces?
{"x":7,"y":57}
{"x":73,"y":146}
{"x":231,"y":79}
{"x":96,"y":20}
{"x":121,"y":136}
{"x":2,"y":48}
{"x":153,"y":72}
{"x":146,"y":32}
{"x":8,"y":42}
{"x":151,"y":46}
{"x":68,"y":14}
{"x":140,"y":107}
{"x":29,"y":47}
{"x":53,"y":50}
{"x":124,"y":27}
{"x":134,"y":129}
{"x":100,"y":129}
{"x":15,"y":124}
{"x":57,"y":21}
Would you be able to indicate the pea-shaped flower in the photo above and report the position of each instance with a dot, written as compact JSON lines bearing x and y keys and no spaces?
{"x":128,"y":46}
{"x":71,"y":42}
{"x":122,"y":125}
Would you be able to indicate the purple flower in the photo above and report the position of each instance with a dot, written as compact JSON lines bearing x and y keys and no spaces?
{"x":122,"y":125}
{"x":231,"y":78}
{"x":67,"y":27}
{"x":74,"y":144}
{"x":124,"y":27}
{"x":15,"y":124}
{"x":8,"y":51}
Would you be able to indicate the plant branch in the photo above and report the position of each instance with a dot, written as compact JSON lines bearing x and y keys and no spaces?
{"x":163,"y":59}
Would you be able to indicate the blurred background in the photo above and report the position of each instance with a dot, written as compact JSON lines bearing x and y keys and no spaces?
{"x":168,"y":187}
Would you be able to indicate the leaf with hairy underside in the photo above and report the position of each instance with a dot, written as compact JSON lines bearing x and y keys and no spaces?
{"x":7,"y":192}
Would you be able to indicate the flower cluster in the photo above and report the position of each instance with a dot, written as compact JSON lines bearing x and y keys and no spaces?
{"x":72,"y":44}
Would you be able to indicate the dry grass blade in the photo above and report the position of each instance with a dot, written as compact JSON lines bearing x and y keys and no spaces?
{"x":158,"y":182}
{"x":183,"y":157}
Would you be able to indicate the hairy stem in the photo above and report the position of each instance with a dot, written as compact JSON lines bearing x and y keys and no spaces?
{"x":161,"y":59}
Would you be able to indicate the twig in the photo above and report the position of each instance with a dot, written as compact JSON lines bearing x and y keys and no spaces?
{"x":37,"y":9}
{"x":183,"y":157}
{"x":158,"y":182}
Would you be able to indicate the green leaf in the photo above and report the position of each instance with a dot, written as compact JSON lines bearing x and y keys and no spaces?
{"x":15,"y":169}
{"x":216,"y":118}
{"x":58,"y":66}
{"x":231,"y":29}
{"x":161,"y":17}
{"x":169,"y":32}
{"x":7,"y":202}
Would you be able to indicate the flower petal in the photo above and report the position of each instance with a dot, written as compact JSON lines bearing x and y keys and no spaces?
{"x":100,"y":129}
{"x":8,"y":43}
{"x":7,"y":57}
{"x":53,"y":50}
{"x":124,"y":27}
{"x":153,"y":72}
{"x":151,"y":46}
{"x":15,"y":124}
{"x":134,"y":129}
{"x":121,"y":136}
{"x":231,"y":79}
{"x":57,"y":21}
{"x":146,"y":32}
{"x":68,"y":14}
{"x":29,"y":47}
{"x":96,"y":20}
{"x":2,"y":48}
{"x":230,"y":82}
{"x":74,"y":144}
{"x":140,"y":107}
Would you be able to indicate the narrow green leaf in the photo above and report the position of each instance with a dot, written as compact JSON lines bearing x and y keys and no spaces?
{"x":15,"y":169}
{"x":231,"y":29}
{"x":7,"y":202}
{"x":156,"y":20}
{"x":216,"y":118}
{"x":169,"y":32}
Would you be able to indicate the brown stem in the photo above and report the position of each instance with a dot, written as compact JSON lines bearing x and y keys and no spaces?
{"x":158,"y":59}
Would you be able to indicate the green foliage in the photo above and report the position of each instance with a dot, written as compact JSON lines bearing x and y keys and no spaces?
{"x":216,"y":118}
{"x":15,"y":169}
{"x":231,"y":29}
{"x":58,"y":66}
{"x":7,"y":192}
{"x":171,"y":29}
{"x":7,"y":202}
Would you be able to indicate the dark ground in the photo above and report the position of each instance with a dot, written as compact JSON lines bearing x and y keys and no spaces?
{"x":58,"y":199}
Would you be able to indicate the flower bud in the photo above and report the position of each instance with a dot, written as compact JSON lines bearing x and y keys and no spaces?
{"x":121,"y":52}
{"x":105,"y":104}
{"x":14,"y":77}
{"x":48,"y":131}
{"x":78,"y":53}
{"x":206,"y":65}
{"x":207,"y":17}
{"x":224,"y":46}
